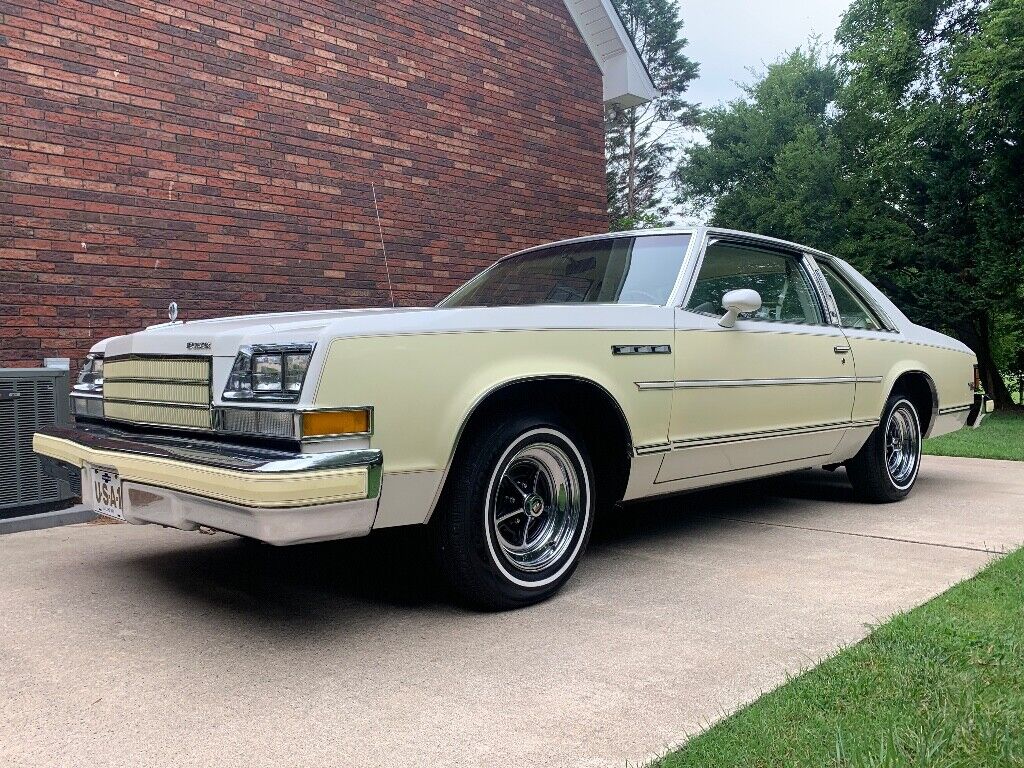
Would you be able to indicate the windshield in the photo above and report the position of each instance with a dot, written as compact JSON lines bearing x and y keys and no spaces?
{"x":620,"y":270}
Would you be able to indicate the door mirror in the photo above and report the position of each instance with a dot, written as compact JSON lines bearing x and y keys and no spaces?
{"x":738,"y":302}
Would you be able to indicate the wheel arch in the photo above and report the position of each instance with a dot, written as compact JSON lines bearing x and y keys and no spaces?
{"x":556,"y":390}
{"x":919,"y":387}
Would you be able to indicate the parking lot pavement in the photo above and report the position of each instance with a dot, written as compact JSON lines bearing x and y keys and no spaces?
{"x":126,"y":645}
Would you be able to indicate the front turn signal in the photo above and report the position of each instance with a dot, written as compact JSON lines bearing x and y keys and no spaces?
{"x":344,"y":423}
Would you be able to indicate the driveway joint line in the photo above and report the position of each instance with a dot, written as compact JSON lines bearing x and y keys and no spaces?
{"x":868,"y":536}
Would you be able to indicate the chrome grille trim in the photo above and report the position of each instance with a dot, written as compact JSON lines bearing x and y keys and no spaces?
{"x":161,"y":403}
{"x":159,"y":390}
{"x":149,"y":367}
{"x":130,"y":380}
{"x":159,"y":415}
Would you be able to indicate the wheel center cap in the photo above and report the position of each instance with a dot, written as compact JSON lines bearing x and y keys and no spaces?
{"x":534,"y":505}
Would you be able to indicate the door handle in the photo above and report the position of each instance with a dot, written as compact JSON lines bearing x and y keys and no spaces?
{"x":841,"y":349}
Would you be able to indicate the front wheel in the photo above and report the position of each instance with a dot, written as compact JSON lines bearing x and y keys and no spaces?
{"x":517,"y":513}
{"x":886,"y":467}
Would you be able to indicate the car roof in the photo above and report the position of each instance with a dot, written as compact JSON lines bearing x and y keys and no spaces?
{"x":698,"y":231}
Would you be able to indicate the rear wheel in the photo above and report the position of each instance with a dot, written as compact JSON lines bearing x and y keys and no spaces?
{"x":517,"y":512}
{"x":886,"y":467}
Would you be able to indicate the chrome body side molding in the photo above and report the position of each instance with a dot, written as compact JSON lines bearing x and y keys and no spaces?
{"x":719,"y":439}
{"x":716,"y":383}
{"x":643,"y":450}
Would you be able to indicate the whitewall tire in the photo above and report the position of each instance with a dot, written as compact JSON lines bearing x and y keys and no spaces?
{"x":886,"y":467}
{"x":517,"y":512}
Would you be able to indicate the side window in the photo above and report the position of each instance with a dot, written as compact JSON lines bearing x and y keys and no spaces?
{"x":853,"y":313}
{"x":787,"y":295}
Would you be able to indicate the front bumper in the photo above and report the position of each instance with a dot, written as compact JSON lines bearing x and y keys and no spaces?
{"x":982,"y":405}
{"x":270,"y":495}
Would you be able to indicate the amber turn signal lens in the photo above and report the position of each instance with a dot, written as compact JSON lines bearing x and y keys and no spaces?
{"x":324,"y":423}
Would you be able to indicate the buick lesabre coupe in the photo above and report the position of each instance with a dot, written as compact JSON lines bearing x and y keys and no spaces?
{"x":562,"y":380}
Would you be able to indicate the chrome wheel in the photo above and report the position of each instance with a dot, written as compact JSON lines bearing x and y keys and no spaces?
{"x":536,"y":506}
{"x":902,"y":445}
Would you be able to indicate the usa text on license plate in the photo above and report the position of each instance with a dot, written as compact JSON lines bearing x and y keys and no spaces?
{"x":106,"y":490}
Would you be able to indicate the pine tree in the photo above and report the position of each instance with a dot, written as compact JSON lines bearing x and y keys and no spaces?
{"x":640,"y":141}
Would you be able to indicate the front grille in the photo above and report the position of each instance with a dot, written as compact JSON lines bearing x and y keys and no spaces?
{"x":160,"y":391}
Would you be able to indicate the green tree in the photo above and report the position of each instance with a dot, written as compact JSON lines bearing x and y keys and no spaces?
{"x":903,"y":155}
{"x":772,"y":162}
{"x":925,"y":105}
{"x":989,"y":70}
{"x":1015,"y":369}
{"x":640,"y":141}
{"x":1009,"y":353}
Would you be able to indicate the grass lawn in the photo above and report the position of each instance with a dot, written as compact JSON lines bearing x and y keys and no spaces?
{"x":942,"y":685}
{"x":1000,"y":436}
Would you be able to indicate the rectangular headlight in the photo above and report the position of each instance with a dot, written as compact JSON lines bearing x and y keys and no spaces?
{"x":269,"y":372}
{"x":295,"y":366}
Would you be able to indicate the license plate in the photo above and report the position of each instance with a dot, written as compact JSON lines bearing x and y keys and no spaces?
{"x":106,"y":490}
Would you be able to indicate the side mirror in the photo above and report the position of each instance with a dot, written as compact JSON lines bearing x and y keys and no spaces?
{"x":736,"y":303}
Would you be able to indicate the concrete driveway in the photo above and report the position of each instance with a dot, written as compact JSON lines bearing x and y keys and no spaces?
{"x":137,"y":646}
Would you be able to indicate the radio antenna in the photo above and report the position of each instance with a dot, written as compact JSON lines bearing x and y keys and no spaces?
{"x":380,"y":229}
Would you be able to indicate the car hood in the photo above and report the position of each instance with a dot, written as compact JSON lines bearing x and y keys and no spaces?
{"x":223,"y":337}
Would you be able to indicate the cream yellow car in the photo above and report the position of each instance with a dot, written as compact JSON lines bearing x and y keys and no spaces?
{"x":562,"y":380}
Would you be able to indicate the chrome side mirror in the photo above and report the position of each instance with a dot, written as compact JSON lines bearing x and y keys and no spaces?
{"x":738,"y":302}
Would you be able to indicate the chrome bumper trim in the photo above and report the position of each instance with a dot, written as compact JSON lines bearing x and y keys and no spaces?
{"x":240,"y":458}
{"x":144,"y":504}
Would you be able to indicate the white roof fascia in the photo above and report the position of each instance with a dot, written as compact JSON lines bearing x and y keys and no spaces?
{"x":626,"y":80}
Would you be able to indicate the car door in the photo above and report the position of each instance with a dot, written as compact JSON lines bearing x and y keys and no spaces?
{"x":777,"y":387}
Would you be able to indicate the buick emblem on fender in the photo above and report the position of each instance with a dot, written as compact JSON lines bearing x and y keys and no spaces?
{"x":172,"y":311}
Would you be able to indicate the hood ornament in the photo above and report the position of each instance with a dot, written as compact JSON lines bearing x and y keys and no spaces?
{"x":172,"y":311}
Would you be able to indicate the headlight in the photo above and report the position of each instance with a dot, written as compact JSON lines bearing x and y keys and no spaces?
{"x":269,"y":372}
{"x":90,"y":375}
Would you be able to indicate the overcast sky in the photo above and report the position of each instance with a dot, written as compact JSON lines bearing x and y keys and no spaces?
{"x":726,"y":37}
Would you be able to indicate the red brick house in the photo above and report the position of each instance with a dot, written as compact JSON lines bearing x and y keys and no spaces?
{"x":221,"y":154}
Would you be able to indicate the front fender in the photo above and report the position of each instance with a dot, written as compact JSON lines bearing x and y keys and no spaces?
{"x":424,"y":387}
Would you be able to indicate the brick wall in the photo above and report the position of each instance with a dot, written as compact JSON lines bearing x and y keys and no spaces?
{"x":220,"y":153}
